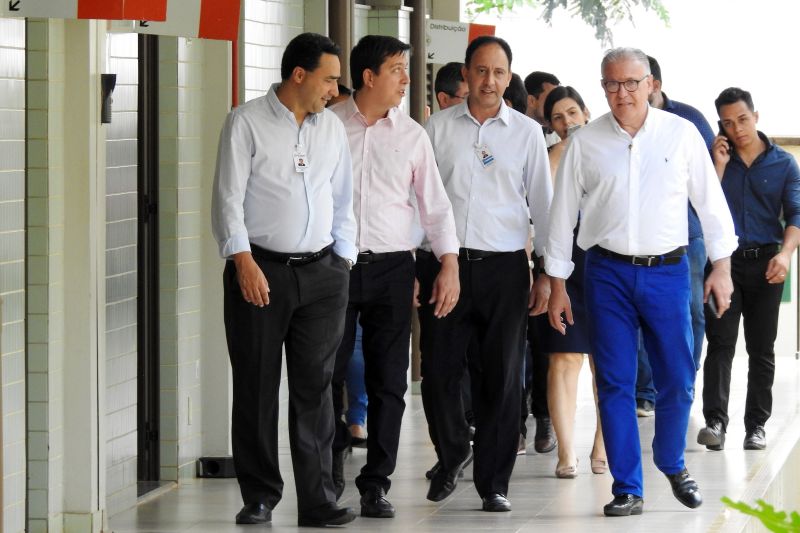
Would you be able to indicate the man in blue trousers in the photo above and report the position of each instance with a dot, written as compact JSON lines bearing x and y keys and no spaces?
{"x":631,"y":172}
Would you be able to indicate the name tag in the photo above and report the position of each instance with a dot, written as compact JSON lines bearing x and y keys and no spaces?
{"x":300,"y":159}
{"x":484,"y":155}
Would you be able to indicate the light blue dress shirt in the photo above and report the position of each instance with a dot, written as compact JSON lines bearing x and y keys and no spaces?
{"x":260,"y":197}
{"x":489,"y":202}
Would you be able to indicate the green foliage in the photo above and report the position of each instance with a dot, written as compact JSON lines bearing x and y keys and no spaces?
{"x":596,"y":13}
{"x":773,"y":520}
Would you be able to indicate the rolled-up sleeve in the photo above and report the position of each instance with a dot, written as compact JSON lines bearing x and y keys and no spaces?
{"x":791,"y":195}
{"x":707,"y":197}
{"x":564,"y":213}
{"x":233,"y":169}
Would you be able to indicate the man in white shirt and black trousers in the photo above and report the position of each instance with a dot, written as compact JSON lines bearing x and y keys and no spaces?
{"x":282,"y":213}
{"x":631,"y":172}
{"x":491,"y":159}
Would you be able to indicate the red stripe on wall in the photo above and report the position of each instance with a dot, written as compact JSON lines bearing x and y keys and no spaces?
{"x":100,"y":9}
{"x":145,"y":10}
{"x":219,"y":19}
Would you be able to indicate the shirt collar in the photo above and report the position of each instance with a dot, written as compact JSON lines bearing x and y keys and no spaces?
{"x":668,"y":104}
{"x":351,"y":109}
{"x":503,"y":113}
{"x":279,"y":109}
{"x":648,"y":120}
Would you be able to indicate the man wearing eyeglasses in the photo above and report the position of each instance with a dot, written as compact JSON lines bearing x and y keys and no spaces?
{"x":631,"y":172}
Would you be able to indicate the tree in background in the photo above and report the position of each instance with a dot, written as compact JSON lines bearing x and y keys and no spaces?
{"x":596,"y":13}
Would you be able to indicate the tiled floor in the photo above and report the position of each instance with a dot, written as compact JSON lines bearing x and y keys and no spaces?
{"x":540,"y":501}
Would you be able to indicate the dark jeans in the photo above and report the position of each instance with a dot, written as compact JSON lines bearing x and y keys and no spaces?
{"x":306,"y":314}
{"x":492,"y":310}
{"x":537,"y":363}
{"x":758,"y":303}
{"x":696,"y":252}
{"x":381,"y":296}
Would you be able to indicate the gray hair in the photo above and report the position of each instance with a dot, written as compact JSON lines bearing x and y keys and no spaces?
{"x":622,"y":54}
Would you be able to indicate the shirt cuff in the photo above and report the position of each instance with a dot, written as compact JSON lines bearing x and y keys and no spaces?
{"x":234,"y":245}
{"x":557,"y":268}
{"x":444,"y":245}
{"x":346,"y":250}
{"x":721,"y":249}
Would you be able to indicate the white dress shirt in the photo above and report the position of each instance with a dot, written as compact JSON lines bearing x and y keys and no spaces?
{"x":260,"y":197}
{"x":489,"y":201}
{"x":632,"y":191}
{"x":391,"y":157}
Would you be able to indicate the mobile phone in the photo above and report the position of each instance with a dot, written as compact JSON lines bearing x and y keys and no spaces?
{"x":723,"y":134}
{"x":712,"y":305}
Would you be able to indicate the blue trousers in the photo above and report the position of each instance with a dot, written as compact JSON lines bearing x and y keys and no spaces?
{"x":356,"y":389}
{"x":621,"y":298}
{"x":696,"y":252}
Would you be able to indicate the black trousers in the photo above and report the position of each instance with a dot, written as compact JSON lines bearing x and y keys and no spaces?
{"x":306,"y":314}
{"x":381,"y":295}
{"x":758,"y":303}
{"x":492,"y":310}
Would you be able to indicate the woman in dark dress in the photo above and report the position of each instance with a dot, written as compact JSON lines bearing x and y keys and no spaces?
{"x":564,"y":110}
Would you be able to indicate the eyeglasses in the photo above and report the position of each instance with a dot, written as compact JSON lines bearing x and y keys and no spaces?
{"x":613,"y":86}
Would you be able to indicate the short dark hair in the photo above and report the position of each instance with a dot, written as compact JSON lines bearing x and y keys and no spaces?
{"x":305,"y":51}
{"x":477,"y":42}
{"x":731,"y":95}
{"x":534,"y":82}
{"x":655,"y":68}
{"x":558,"y":94}
{"x":448,"y":78}
{"x":370,"y":53}
{"x":345,"y":90}
{"x":515,"y":93}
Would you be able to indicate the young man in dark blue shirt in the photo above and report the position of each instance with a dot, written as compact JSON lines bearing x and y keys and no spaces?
{"x":696,"y":251}
{"x":760,"y":181}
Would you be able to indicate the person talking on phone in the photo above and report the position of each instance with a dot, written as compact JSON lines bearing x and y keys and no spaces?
{"x":761,"y":183}
{"x":631,"y":173}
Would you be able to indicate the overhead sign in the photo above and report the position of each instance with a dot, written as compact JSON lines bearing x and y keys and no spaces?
{"x":206,"y":19}
{"x":86,"y":9}
{"x":447,"y":40}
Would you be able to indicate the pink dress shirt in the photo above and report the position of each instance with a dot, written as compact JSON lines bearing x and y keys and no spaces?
{"x":392,"y":159}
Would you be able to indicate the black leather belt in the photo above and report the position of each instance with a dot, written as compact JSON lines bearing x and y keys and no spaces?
{"x":470,"y":254}
{"x":291,"y":259}
{"x":423,"y":254}
{"x":669,"y":258}
{"x":364,"y":258}
{"x":756,"y":252}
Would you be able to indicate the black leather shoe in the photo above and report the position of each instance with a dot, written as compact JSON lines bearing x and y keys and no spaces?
{"x":326,"y":515}
{"x":545,"y":439}
{"x":685,"y":489}
{"x":337,"y":472}
{"x":712,"y":436}
{"x":755,"y":439}
{"x":375,"y":505}
{"x":432,"y":472}
{"x":496,"y":503}
{"x":444,"y":482}
{"x":624,"y":505}
{"x":254,"y":513}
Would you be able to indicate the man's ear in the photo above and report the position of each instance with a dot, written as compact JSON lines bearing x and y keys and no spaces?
{"x":298,"y":74}
{"x":441,"y":99}
{"x":368,"y":77}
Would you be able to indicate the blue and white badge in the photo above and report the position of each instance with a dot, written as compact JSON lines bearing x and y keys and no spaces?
{"x":484,"y":155}
{"x":300,"y":158}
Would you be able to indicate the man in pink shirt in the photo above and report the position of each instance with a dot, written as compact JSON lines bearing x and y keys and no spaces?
{"x":392,"y":155}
